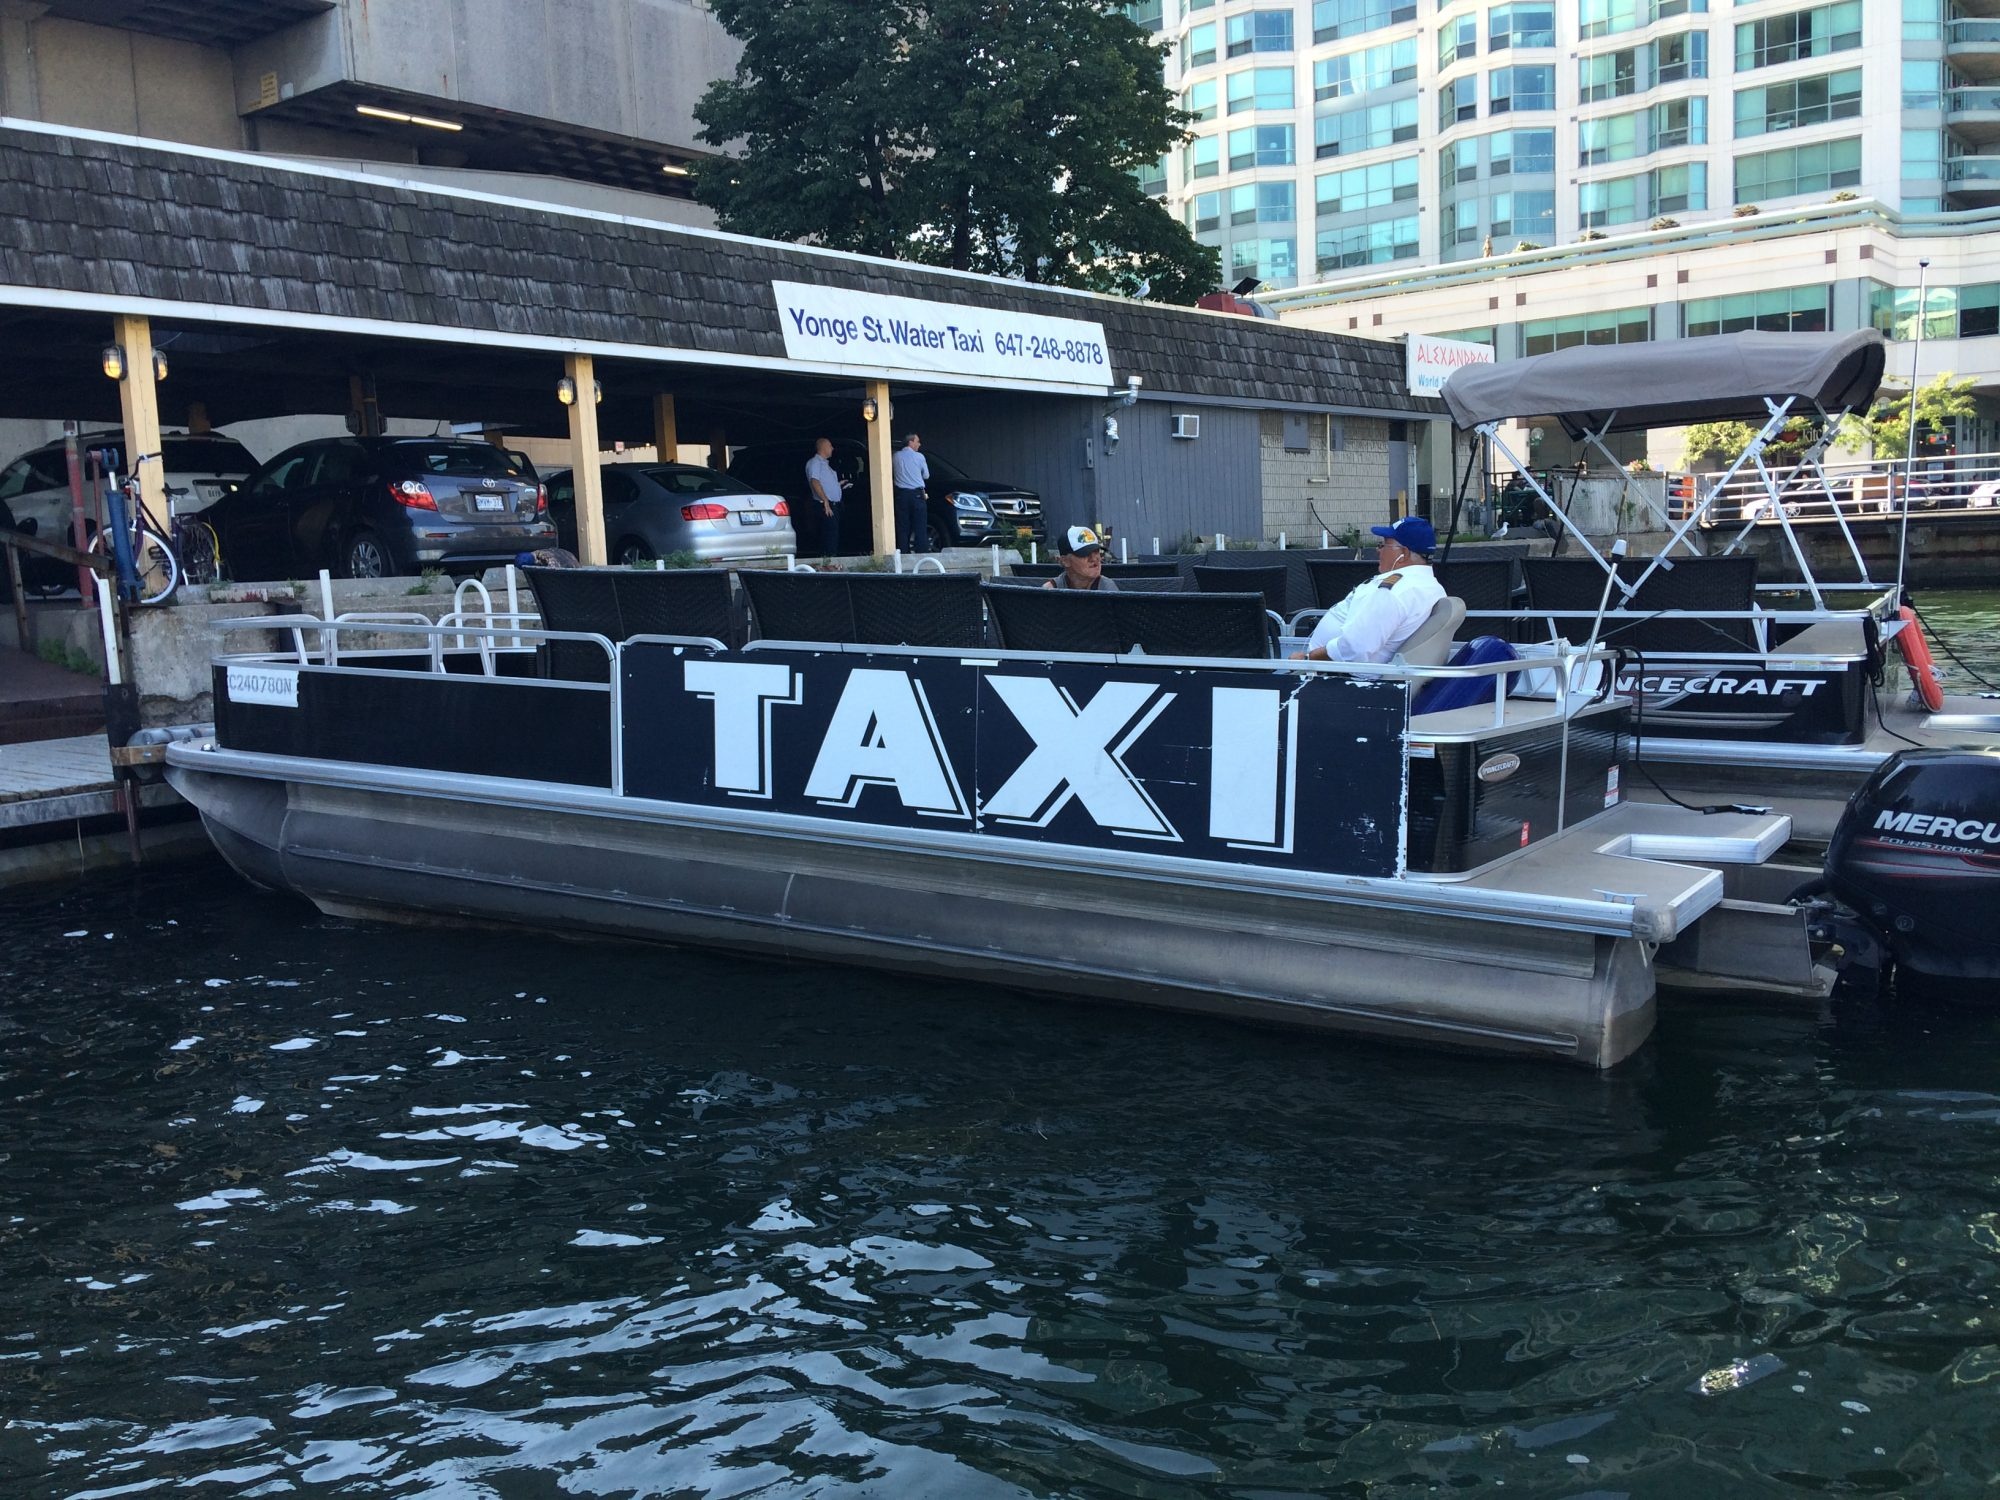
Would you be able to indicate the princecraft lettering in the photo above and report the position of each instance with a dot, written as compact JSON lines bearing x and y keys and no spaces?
{"x":1722,"y":687}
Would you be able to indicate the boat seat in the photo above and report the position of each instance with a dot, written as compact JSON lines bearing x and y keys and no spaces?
{"x":868,"y":609}
{"x":1159,"y":624}
{"x":1694,"y":588}
{"x":1333,"y":579}
{"x":1272,"y":581}
{"x":1432,"y":641}
{"x":620,"y":603}
{"x":1484,"y":583}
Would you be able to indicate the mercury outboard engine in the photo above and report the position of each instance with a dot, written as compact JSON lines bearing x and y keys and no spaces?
{"x":1915,"y":869}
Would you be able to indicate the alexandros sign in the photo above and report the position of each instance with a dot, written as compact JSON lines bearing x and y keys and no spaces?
{"x":1432,"y":360}
{"x":1243,"y":767}
{"x":833,"y":325}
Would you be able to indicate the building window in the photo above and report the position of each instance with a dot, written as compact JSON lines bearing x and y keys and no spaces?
{"x":1520,"y":26}
{"x":1679,"y":58}
{"x":1199,"y":100}
{"x":1374,"y":186}
{"x":1802,"y":101}
{"x":1524,"y":216}
{"x":1798,"y":309}
{"x":1949,"y":312}
{"x":1260,"y":88}
{"x":1923,"y":85}
{"x":1261,"y":146}
{"x":1457,"y":100}
{"x":1204,"y":156}
{"x":1613,"y":138}
{"x":1630,"y":325}
{"x":1923,"y":155}
{"x":1458,"y":161}
{"x":1469,"y":336}
{"x":1458,"y":38}
{"x":1681,"y":189}
{"x":1799,"y":35}
{"x":1520,"y":88}
{"x":1272,"y":261}
{"x":1798,"y":169}
{"x":1372,"y":68}
{"x":1609,"y":75}
{"x":1458,"y":223}
{"x":1262,"y":203}
{"x":1522,"y":151}
{"x":1153,"y":178}
{"x":1680,"y":122}
{"x":1260,"y":31}
{"x":1336,"y":20}
{"x":1207,"y":213}
{"x":1923,"y":20}
{"x":1365,"y":129}
{"x":1616,"y":200}
{"x":1366,"y":244}
{"x":1201,"y":45}
{"x":1146,"y":13}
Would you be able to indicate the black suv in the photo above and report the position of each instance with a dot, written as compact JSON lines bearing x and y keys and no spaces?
{"x":382,"y":507}
{"x":964,"y":512}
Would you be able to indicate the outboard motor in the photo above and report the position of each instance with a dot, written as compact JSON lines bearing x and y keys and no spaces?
{"x":1915,"y":869}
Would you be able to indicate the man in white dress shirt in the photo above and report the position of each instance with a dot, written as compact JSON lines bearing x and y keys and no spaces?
{"x":1373,"y":621}
{"x":910,"y":477}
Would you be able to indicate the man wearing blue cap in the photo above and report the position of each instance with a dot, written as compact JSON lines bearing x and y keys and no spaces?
{"x":1373,"y":621}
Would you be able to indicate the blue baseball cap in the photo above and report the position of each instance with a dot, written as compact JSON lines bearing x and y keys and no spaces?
{"x":1413,"y":532}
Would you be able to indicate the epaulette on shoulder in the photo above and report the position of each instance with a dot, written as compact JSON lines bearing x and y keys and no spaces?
{"x":1390,"y":580}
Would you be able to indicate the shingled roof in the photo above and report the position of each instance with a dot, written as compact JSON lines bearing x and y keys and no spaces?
{"x":96,"y":216}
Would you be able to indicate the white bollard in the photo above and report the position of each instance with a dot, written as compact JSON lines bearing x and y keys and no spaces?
{"x":1156,"y":546}
{"x":896,"y":561}
{"x":107,"y":622}
{"x":996,"y":559}
{"x":1322,"y":539}
{"x":328,"y":647}
{"x":1221,"y":542}
{"x":1034,"y":553}
{"x":1281,"y":541}
{"x":1124,"y":550}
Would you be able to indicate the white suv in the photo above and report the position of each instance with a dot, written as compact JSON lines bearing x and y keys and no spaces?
{"x":35,"y":486}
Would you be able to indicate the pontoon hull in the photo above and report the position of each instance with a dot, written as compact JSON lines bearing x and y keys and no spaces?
{"x":1406,"y":969}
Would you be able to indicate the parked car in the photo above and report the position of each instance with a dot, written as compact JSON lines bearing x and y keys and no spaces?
{"x":963,"y":511}
{"x":383,"y":506}
{"x":199,"y":468}
{"x":1984,"y":495}
{"x":655,"y":510}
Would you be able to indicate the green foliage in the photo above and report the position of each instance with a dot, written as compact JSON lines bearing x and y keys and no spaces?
{"x":428,"y":580}
{"x":1000,"y":138}
{"x":1886,"y":428}
{"x":62,"y":654}
{"x":1714,"y":445}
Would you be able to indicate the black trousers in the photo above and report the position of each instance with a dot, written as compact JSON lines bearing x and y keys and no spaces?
{"x":912,"y":522}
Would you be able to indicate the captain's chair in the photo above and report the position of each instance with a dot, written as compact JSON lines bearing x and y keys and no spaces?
{"x":1431,"y":643}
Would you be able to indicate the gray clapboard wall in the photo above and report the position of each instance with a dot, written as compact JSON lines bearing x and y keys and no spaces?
{"x":1156,"y":485}
{"x":1033,"y":441}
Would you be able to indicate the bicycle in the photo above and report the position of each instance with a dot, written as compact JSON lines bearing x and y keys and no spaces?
{"x":158,"y":565}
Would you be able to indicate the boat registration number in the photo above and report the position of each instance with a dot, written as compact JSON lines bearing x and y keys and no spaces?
{"x":489,"y":502}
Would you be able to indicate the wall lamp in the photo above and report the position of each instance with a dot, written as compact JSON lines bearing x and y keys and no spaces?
{"x":566,"y":391}
{"x":869,"y":410}
{"x":113,"y":360}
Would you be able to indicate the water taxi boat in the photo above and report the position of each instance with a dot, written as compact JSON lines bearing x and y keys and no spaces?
{"x":1015,"y":786}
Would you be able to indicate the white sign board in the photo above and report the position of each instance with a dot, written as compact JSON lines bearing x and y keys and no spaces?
{"x":832,"y":325}
{"x":1431,"y":361}
{"x":278,"y":687}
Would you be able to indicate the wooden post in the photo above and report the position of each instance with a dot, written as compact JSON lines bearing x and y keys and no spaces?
{"x":881,"y":491}
{"x":139,"y":401}
{"x":581,"y":370}
{"x":666,"y":432}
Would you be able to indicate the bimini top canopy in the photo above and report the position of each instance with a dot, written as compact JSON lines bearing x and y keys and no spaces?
{"x":1724,"y":378}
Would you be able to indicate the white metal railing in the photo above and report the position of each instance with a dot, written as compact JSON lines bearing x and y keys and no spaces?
{"x":1865,"y":487}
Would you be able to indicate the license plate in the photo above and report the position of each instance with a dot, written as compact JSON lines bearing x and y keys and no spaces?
{"x":489,"y":502}
{"x":1024,"y":531}
{"x":750,"y":517}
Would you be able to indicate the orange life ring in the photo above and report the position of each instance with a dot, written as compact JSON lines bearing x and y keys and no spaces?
{"x":1916,"y":654}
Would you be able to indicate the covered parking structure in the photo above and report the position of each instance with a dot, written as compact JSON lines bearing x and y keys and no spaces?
{"x":285,"y":288}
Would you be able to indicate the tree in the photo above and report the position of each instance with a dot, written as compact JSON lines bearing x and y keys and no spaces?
{"x":986,"y":135}
{"x":1886,"y":427}
{"x":1715,"y":445}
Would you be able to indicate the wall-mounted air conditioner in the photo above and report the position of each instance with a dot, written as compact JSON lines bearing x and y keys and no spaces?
{"x":1187,"y":425}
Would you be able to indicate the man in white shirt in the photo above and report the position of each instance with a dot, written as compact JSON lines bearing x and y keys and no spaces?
{"x":1373,"y":621}
{"x":823,"y":506}
{"x":910,"y":475}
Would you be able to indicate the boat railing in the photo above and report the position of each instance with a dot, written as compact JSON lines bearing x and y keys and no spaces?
{"x":1574,"y":685}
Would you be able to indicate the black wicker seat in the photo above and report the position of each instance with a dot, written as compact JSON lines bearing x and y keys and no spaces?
{"x":1695,"y":586}
{"x":868,"y":609}
{"x":1160,"y":624}
{"x":1483,"y":583}
{"x":620,"y":603}
{"x":1273,"y":581}
{"x":1334,"y":579}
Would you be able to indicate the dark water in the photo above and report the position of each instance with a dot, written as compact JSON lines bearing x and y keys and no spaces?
{"x":300,"y":1206}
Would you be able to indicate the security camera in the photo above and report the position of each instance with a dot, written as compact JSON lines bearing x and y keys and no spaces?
{"x":1110,"y":430}
{"x":1132,"y":384}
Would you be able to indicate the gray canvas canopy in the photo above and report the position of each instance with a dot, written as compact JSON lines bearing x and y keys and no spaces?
{"x":1723,"y":378}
